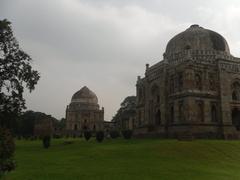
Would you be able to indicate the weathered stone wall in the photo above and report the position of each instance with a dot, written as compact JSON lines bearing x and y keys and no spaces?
{"x":200,"y":95}
{"x":85,"y":120}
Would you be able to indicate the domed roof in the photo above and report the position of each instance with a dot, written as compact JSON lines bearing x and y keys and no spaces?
{"x":197,"y":38}
{"x":85,"y":95}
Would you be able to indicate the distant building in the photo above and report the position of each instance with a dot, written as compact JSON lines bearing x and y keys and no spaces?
{"x":83,"y":113}
{"x":126,"y":115}
{"x":109,"y":125}
{"x":194,"y":90}
{"x":44,"y":127}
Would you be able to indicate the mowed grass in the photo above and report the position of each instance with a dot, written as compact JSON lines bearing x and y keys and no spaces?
{"x":121,"y":159}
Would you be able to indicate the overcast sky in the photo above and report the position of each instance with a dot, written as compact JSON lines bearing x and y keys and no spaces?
{"x":105,"y":44}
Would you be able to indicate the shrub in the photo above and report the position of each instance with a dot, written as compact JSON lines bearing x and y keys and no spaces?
{"x":87,"y":135}
{"x":32,"y":138}
{"x":114,"y":134}
{"x":127,"y":134}
{"x":68,"y":142}
{"x":151,"y":128}
{"x":99,"y":136}
{"x":7,"y":148}
{"x":46,"y":141}
{"x":57,"y":136}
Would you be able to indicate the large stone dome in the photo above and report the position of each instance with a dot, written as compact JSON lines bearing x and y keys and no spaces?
{"x":197,"y":38}
{"x":85,"y":95}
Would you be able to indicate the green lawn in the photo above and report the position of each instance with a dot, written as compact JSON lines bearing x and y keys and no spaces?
{"x":128,"y":159}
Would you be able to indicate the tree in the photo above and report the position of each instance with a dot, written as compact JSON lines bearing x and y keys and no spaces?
{"x":125,"y":113}
{"x":26,"y":122}
{"x":7,"y":148}
{"x":60,"y":124}
{"x":99,"y":136}
{"x":15,"y":74}
{"x":46,"y":141}
{"x":127,"y":134}
{"x":87,"y":135}
{"x":114,"y":134}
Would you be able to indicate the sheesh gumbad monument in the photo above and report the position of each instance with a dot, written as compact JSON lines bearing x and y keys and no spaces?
{"x":83,"y":113}
{"x":194,"y":91}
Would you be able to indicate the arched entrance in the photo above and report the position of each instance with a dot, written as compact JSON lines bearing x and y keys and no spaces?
{"x":75,"y":127}
{"x":85,"y":127}
{"x":236,"y":118}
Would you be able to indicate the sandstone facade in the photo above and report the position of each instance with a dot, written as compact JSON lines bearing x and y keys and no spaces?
{"x":194,"y":90}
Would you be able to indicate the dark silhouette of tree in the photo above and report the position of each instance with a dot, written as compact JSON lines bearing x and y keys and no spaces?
{"x":26,"y":121}
{"x":7,"y":148}
{"x":125,"y":112}
{"x":16,"y":74}
{"x":61,"y":124}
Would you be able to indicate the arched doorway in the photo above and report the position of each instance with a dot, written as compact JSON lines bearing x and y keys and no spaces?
{"x":214,"y":113}
{"x":85,"y":128}
{"x":236,"y":118}
{"x":75,"y":127}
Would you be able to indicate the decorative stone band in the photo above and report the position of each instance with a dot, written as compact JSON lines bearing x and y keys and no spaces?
{"x":200,"y":56}
{"x":230,"y":67}
{"x":83,"y":100}
{"x":83,"y":106}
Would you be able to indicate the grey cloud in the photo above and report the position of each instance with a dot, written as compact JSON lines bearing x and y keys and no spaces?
{"x":105,"y":44}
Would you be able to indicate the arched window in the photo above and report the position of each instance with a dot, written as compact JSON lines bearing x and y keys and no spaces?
{"x":236,"y":91}
{"x":172,"y":114}
{"x":234,"y":95}
{"x":211,"y":81}
{"x":200,"y":111}
{"x":198,"y":81}
{"x":158,"y":99}
{"x":155,"y":93}
{"x":140,"y":93}
{"x":187,"y":47}
{"x":214,"y":113}
{"x":236,"y":118}
{"x":171,"y":84}
{"x":139,"y":118}
{"x":158,"y":117}
{"x":181,"y":111}
{"x":180,"y":81}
